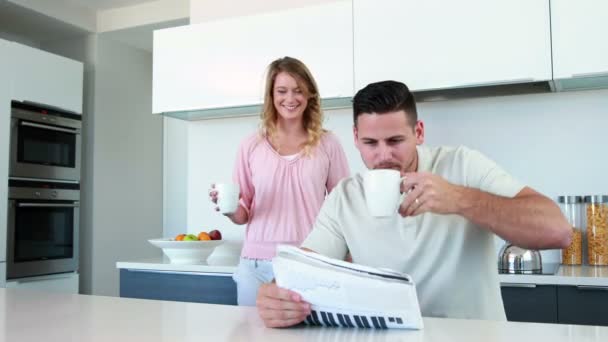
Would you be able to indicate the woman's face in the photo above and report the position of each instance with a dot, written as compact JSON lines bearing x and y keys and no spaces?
{"x":289,"y":99}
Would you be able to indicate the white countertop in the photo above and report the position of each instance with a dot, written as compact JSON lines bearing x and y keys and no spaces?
{"x":214,"y":265}
{"x":28,"y":316}
{"x":566,"y":275}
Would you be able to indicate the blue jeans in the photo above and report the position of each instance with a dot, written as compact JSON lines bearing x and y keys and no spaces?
{"x":249,"y":276}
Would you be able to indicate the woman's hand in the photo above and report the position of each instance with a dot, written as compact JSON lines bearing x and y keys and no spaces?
{"x":240,"y":216}
{"x":213,"y":196}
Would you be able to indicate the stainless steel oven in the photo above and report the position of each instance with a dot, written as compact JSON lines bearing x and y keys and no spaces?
{"x":45,"y":143}
{"x":43,"y":228}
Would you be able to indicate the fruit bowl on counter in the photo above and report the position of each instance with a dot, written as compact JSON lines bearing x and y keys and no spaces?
{"x":187,"y":248}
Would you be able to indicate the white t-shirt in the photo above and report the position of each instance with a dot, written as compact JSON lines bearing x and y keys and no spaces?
{"x":452,"y":261}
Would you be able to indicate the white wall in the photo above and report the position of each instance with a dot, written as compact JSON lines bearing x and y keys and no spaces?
{"x":553,"y":142}
{"x":127,"y":163}
{"x":121,"y":187}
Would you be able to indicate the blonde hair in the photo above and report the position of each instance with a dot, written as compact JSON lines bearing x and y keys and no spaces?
{"x":313,"y":116}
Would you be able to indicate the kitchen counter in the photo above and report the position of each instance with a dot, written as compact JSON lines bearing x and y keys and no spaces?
{"x":214,"y":265}
{"x":566,"y":275}
{"x":35,"y":316}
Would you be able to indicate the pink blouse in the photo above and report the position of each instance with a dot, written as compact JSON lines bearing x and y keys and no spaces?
{"x":283,"y":197}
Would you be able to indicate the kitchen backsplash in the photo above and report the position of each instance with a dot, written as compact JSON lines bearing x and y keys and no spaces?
{"x":552,"y":142}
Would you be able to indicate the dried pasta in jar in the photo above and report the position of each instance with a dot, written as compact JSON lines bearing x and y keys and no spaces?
{"x":597,"y":229}
{"x":573,"y":254}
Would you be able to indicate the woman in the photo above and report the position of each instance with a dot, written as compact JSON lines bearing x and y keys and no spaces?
{"x":284,"y":172}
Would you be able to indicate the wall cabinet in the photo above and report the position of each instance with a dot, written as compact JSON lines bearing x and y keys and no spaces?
{"x":448,"y":44}
{"x":222,"y":63}
{"x":45,"y":78}
{"x":213,"y":288}
{"x":556,"y":304}
{"x":580,"y":38}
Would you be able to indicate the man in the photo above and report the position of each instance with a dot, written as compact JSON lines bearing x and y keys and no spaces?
{"x":458,"y":200}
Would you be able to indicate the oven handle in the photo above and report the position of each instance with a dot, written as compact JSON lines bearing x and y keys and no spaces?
{"x":47,"y":205}
{"x":51,"y":128}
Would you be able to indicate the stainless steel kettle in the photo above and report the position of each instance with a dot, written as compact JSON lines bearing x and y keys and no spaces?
{"x":516,"y":260}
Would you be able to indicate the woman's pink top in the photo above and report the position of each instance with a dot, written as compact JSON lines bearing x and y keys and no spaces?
{"x":283,"y":197}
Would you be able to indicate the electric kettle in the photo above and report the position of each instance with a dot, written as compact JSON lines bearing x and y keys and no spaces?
{"x":516,"y":260}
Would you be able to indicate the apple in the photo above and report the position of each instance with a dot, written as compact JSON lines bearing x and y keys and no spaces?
{"x":190,"y":237}
{"x":215,"y":235}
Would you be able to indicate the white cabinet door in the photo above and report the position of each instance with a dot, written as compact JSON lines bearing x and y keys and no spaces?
{"x":435,"y":44}
{"x":45,"y":78}
{"x":5,"y":120}
{"x":580,"y":38}
{"x":223,"y":63}
{"x":65,"y":283}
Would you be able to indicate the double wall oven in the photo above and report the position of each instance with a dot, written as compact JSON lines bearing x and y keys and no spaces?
{"x":44,"y":191}
{"x":45,"y":143}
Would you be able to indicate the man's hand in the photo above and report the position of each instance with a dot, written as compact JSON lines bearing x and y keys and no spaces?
{"x":279,"y":307}
{"x":427,"y":192}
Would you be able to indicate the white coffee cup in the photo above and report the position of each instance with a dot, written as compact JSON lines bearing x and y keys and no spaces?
{"x":382,"y":191}
{"x":227,"y":197}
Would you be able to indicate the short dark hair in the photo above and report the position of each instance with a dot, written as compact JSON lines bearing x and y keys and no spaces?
{"x":384,"y":97}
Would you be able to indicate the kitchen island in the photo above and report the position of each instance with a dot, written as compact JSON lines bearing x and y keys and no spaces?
{"x":28,"y":316}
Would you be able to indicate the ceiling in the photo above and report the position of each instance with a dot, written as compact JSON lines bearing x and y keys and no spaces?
{"x":97,"y":5}
{"x":31,"y":26}
{"x":141,"y":37}
{"x":34,"y":26}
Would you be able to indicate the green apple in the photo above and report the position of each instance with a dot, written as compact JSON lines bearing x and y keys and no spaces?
{"x":190,"y":237}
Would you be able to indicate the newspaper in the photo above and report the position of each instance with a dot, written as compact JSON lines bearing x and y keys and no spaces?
{"x":343,"y":294}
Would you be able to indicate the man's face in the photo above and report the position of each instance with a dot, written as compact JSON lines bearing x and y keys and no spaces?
{"x":388,"y":141}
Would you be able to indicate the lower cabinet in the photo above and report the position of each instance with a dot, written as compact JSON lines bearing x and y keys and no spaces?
{"x":567,"y":304}
{"x":530,"y":303}
{"x":212,"y":288}
{"x":583,"y":305}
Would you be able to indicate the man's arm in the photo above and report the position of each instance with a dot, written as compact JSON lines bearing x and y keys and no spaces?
{"x":529,"y":219}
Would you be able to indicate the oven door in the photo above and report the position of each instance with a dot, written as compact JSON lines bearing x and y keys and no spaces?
{"x":40,"y":149}
{"x":42,"y":237}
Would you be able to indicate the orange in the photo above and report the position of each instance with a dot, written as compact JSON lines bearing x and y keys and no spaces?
{"x":204,"y":236}
{"x":180,"y":237}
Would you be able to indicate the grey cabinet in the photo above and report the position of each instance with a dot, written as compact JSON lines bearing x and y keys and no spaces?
{"x":530,"y":303}
{"x":583,"y":305}
{"x":216,"y":288}
{"x":569,"y":304}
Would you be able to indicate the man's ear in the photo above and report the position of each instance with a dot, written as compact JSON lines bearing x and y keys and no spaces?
{"x":419,"y":131}
{"x":356,"y":135}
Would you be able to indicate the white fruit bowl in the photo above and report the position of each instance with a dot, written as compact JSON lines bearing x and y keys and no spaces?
{"x":186,"y":252}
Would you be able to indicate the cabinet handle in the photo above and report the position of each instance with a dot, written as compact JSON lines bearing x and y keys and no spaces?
{"x":591,"y":288}
{"x":50,"y":128}
{"x":591,"y":74}
{"x":529,"y":286}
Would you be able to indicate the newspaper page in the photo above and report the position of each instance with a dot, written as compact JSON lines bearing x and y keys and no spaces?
{"x":343,"y":294}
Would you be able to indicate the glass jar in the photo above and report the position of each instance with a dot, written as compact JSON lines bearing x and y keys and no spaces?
{"x":597,"y":229}
{"x":572,"y":208}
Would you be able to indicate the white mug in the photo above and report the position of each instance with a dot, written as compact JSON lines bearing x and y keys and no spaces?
{"x":227,"y":197}
{"x":382,"y":191}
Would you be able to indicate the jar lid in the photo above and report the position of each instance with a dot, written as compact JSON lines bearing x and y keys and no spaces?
{"x":596,"y":199}
{"x":569,"y":199}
